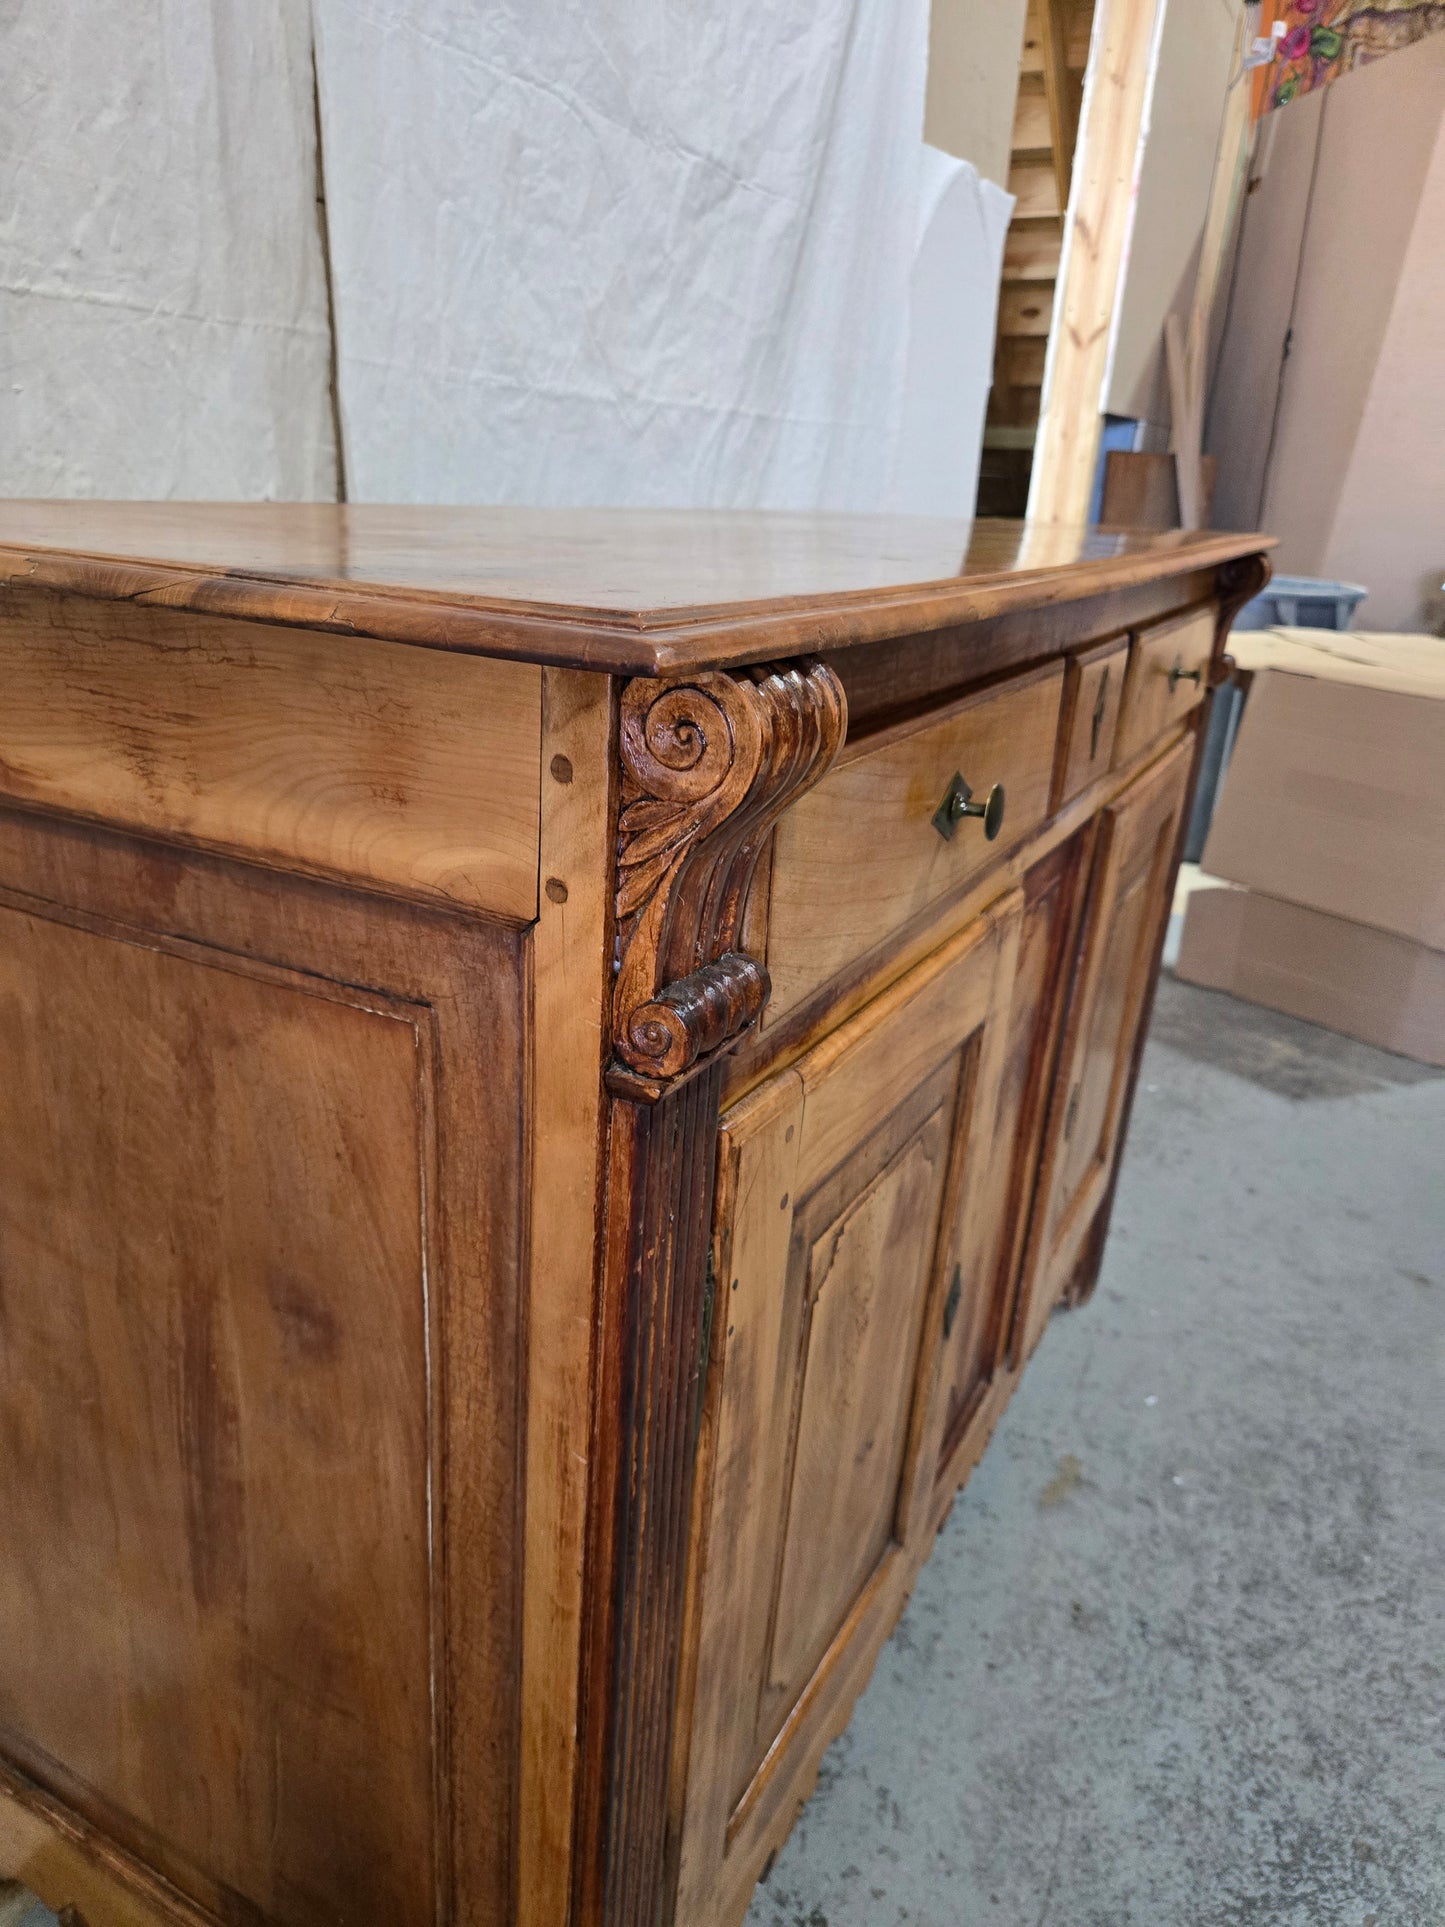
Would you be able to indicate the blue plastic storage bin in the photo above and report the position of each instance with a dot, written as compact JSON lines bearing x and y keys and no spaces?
{"x":1291,"y":601}
{"x":1302,"y":602}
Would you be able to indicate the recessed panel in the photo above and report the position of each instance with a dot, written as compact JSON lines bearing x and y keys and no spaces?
{"x":215,"y":1416}
{"x":868,"y":1270}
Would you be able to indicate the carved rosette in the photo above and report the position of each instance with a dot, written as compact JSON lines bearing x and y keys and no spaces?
{"x":709,"y":763}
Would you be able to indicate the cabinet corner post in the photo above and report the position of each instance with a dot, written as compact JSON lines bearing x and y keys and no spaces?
{"x":709,"y":762}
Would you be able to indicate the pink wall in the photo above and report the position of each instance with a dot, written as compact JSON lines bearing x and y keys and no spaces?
{"x":1343,"y":249}
{"x":1389,"y":525}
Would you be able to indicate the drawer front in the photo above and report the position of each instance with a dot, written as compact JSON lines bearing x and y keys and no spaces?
{"x":1093,"y":695}
{"x":1168,"y":675}
{"x":860,"y":855}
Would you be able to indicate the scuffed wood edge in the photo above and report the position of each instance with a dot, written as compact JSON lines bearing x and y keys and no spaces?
{"x":652,"y":1343}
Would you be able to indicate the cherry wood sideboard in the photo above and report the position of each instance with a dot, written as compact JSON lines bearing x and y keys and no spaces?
{"x":553,"y":1068}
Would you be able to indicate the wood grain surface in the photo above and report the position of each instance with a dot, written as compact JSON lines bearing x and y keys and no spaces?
{"x":260,"y":1233}
{"x":1155,"y":695}
{"x":1126,"y":912}
{"x":225,"y":1534}
{"x":413,"y":772}
{"x":1093,"y":693}
{"x":634,"y":592}
{"x":570,"y":1007}
{"x":860,"y":855}
{"x":846,"y":1189}
{"x":657,"y":1304}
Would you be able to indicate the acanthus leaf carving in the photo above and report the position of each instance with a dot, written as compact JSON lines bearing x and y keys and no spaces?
{"x":709,"y":763}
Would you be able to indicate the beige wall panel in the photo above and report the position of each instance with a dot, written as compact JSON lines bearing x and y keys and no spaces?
{"x":1368,"y":140}
{"x":974,"y":49}
{"x":1196,"y":50}
{"x":1389,"y":526}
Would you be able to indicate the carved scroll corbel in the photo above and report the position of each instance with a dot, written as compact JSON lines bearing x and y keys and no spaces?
{"x":709,"y":764}
{"x":1238,"y":582}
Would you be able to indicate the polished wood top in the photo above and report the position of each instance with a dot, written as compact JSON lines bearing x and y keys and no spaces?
{"x":634,"y":591}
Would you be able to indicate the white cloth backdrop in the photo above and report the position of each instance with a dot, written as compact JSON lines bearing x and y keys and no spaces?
{"x":163,"y":314}
{"x":952,"y":316}
{"x":622,"y":251}
{"x":583,"y":251}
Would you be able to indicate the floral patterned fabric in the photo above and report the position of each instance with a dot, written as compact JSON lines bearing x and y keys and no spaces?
{"x":1324,"y":38}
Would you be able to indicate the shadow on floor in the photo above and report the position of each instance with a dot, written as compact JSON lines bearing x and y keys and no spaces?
{"x":1282,"y":1054}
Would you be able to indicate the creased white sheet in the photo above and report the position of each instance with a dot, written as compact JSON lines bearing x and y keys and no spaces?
{"x":953,"y":315}
{"x":163,"y":314}
{"x":622,"y":251}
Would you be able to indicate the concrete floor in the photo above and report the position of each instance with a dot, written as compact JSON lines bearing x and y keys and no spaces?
{"x":1179,"y":1657}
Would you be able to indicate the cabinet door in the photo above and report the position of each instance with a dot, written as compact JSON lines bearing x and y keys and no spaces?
{"x":1127,"y":908}
{"x":979,"y":1321}
{"x":846,"y":1183}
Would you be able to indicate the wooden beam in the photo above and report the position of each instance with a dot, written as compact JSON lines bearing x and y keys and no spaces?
{"x":1021,"y":361}
{"x":1185,"y":404}
{"x":1059,"y":93}
{"x":1025,"y":309}
{"x":1031,"y":130}
{"x":1031,"y":252}
{"x":1035,"y":190}
{"x":1117,"y":88}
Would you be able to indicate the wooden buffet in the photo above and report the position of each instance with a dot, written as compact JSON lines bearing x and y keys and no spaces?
{"x":553,"y":1068}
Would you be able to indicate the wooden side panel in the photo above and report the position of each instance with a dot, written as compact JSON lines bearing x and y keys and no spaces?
{"x":216,"y":1403}
{"x":412,"y":770}
{"x":260,"y":1247}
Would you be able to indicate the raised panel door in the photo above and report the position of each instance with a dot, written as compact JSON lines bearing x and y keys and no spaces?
{"x":985,"y":1269}
{"x":1123,"y":924}
{"x":843,"y":1185}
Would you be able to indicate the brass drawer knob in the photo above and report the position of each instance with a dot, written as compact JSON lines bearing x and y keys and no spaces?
{"x":1179,"y":674}
{"x":958,"y":803}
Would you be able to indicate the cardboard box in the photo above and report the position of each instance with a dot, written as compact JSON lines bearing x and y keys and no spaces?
{"x":1372,"y":984}
{"x":1334,"y":798}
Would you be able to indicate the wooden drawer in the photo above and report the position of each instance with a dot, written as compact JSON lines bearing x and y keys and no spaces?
{"x":1093,"y":695}
{"x":1168,"y":675}
{"x":860,"y":855}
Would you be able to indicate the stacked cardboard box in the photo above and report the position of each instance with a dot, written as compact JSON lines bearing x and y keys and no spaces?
{"x":1330,"y":833}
